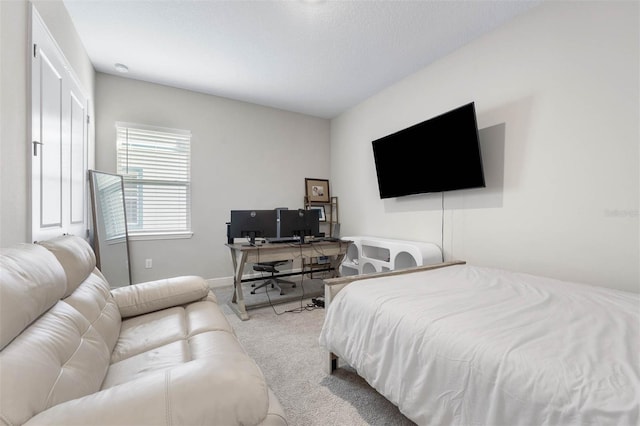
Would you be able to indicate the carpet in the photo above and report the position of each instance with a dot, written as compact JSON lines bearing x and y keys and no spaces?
{"x":285,"y":346}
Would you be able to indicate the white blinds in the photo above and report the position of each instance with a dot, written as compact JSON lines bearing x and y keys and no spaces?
{"x":155,"y":165}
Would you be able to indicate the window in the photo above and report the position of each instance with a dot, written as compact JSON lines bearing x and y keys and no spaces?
{"x":155,"y":165}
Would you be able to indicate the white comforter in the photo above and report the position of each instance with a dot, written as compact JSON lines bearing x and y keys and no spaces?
{"x":476,"y":346}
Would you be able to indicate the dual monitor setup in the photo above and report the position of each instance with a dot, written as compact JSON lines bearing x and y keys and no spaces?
{"x":278,"y":225}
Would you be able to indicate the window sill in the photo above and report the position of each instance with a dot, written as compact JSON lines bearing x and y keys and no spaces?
{"x":160,"y":236}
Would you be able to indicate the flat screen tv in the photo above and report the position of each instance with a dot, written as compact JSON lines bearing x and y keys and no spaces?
{"x":439,"y":154}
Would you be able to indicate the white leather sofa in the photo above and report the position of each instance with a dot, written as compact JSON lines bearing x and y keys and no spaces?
{"x":75,"y":352}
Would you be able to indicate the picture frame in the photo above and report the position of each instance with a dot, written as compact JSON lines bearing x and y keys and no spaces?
{"x":323,"y":215}
{"x":317,"y":190}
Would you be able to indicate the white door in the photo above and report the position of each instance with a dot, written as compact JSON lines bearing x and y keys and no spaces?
{"x":59,"y":141}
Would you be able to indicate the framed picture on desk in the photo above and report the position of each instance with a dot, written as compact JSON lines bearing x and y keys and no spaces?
{"x":317,"y":190}
{"x":323,"y":217}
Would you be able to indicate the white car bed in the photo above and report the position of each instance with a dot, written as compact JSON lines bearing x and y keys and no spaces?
{"x":466,"y":345}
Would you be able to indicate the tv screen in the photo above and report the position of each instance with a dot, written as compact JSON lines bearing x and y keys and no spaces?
{"x":439,"y":154}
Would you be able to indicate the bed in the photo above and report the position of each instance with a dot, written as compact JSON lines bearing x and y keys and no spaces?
{"x":467,"y":345}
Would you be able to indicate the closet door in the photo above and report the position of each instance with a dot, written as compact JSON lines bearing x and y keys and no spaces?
{"x":59,"y":141}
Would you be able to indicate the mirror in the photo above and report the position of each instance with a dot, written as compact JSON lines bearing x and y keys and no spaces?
{"x":110,"y":241}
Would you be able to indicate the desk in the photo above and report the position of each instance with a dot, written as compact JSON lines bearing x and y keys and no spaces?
{"x":241,"y":254}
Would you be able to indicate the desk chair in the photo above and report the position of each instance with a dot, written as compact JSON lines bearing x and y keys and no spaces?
{"x":273,"y":280}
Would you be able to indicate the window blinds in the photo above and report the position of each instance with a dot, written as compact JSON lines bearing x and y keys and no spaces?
{"x":155,"y":165}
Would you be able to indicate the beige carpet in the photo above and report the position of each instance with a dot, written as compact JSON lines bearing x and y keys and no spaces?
{"x":285,"y":346}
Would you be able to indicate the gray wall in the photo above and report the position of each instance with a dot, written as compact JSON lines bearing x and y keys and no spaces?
{"x":243,"y":156}
{"x":556,"y":94}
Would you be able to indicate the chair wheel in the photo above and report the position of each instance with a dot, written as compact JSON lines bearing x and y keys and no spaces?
{"x":281,"y":293}
{"x":293,"y":286}
{"x":253,"y":292}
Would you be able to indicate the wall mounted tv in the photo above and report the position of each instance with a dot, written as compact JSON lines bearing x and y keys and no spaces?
{"x":439,"y":154}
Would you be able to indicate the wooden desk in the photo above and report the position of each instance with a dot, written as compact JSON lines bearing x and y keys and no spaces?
{"x":241,"y":254}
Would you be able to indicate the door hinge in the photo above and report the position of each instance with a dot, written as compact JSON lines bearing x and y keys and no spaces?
{"x":35,"y":50}
{"x":88,"y":119}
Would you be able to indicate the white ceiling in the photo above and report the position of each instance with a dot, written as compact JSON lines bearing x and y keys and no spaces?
{"x":317,"y":58}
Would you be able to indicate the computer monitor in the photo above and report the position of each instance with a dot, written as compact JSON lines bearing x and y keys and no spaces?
{"x":251,"y":224}
{"x":299,"y":223}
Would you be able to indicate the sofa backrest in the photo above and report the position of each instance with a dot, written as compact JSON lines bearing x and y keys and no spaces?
{"x":87,"y":289}
{"x":32,"y":281}
{"x":64,"y":348}
{"x":75,"y":256}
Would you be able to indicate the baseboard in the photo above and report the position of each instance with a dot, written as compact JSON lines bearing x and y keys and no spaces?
{"x":220,"y":282}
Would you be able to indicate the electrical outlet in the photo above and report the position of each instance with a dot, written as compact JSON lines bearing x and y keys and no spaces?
{"x":148,"y":263}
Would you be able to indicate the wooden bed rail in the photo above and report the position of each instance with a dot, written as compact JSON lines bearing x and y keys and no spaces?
{"x":333,"y":285}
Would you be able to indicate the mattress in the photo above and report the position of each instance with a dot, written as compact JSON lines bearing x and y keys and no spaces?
{"x":466,"y":345}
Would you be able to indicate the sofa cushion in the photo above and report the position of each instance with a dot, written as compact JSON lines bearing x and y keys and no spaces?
{"x":76,"y":257}
{"x":160,"y":358}
{"x":168,"y":338}
{"x":31,"y":281}
{"x":150,"y":331}
{"x":213,"y":343}
{"x":220,"y":390}
{"x":145,"y":332}
{"x":58,"y":358}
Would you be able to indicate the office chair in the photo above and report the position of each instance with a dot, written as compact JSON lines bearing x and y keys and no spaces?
{"x":273,"y":280}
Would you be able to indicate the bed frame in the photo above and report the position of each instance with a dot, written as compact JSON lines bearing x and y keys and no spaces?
{"x":333,"y":286}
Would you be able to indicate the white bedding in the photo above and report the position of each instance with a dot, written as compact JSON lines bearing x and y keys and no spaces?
{"x":476,"y":346}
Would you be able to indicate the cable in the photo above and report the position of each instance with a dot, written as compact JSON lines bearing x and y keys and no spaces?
{"x":442,"y":229}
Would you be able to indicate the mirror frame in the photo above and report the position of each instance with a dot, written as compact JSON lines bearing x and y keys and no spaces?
{"x":94,"y":208}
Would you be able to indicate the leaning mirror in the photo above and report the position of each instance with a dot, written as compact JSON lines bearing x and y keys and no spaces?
{"x":110,"y":240}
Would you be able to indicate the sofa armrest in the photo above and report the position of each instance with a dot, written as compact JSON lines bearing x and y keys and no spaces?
{"x":223,"y":390}
{"x":152,"y":296}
